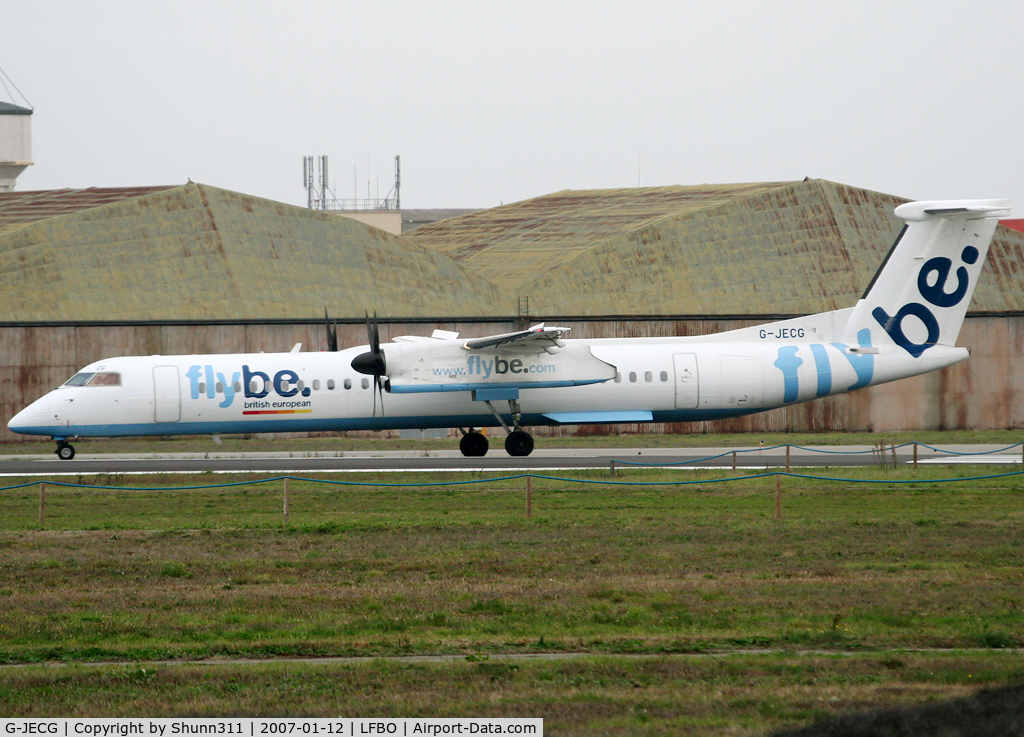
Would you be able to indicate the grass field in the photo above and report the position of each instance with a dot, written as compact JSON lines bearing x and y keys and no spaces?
{"x":669,"y":608}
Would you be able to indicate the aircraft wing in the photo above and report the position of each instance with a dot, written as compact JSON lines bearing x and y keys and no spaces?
{"x":537,"y":358}
{"x":539,"y":336}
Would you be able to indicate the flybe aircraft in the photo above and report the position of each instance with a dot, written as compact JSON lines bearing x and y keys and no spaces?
{"x":905,"y":324}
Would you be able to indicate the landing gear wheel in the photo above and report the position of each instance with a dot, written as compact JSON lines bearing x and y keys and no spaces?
{"x":65,"y":451}
{"x":519,"y":443}
{"x":473,"y":443}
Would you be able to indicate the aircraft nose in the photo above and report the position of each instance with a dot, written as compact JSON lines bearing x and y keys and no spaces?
{"x":19,"y":421}
{"x":34,"y":415}
{"x":14,"y":422}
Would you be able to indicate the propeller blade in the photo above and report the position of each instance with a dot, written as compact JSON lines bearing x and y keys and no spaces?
{"x":378,"y":388}
{"x":374,"y":334}
{"x":332,"y":333}
{"x":373,"y":362}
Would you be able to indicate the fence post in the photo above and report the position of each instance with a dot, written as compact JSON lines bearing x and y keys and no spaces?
{"x":787,"y":457}
{"x":778,"y":496}
{"x":915,"y":455}
{"x":611,"y":465}
{"x":286,"y":499}
{"x":734,"y":460}
{"x":42,"y":503}
{"x":529,"y":496}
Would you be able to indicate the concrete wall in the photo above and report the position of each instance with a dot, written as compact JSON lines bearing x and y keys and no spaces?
{"x":16,"y":139}
{"x":986,"y":392}
{"x":387,"y":220}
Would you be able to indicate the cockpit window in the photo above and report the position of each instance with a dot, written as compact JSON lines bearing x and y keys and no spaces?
{"x":102,"y":378}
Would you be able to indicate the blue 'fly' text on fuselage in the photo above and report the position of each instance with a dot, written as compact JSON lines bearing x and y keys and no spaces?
{"x":252,"y":384}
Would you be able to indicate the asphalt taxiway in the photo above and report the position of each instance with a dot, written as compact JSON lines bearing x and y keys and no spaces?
{"x":750,"y":458}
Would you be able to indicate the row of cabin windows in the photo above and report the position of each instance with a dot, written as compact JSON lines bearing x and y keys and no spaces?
{"x":111,"y":378}
{"x":648,"y":377}
{"x":255,"y":388}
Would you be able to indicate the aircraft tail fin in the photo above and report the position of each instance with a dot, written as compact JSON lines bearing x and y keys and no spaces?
{"x":920,"y":294}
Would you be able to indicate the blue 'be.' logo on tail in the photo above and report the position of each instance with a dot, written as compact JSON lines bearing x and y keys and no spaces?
{"x":934,"y":294}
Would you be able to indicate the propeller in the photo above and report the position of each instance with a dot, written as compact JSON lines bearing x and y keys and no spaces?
{"x":372,"y":363}
{"x":332,"y":333}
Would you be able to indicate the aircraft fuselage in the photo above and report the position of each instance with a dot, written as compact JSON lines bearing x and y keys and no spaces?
{"x":659,"y":380}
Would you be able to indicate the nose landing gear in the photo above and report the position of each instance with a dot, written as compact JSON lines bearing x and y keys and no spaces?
{"x":65,"y":450}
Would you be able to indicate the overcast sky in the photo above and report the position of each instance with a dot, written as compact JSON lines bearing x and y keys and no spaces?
{"x":492,"y":102}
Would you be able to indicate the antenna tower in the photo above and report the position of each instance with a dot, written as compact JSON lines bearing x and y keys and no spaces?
{"x":319,"y":195}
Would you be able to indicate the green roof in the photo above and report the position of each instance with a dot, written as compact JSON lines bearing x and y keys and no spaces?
{"x":198,"y":252}
{"x":749,"y":249}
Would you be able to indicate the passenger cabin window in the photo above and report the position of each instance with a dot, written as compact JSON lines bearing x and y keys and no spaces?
{"x":648,"y":376}
{"x":664,"y":375}
{"x":632,"y":377}
{"x":330,"y":384}
{"x":365,"y":383}
{"x":618,"y":377}
{"x":316,"y":385}
{"x":348,"y":383}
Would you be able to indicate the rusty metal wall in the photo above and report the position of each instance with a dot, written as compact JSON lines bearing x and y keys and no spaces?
{"x":986,"y":392}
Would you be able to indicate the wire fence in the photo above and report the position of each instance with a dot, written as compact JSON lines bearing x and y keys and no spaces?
{"x":778,"y":474}
{"x":877,"y":450}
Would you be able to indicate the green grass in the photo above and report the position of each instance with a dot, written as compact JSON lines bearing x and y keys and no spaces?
{"x":742,"y":694}
{"x":667,"y":572}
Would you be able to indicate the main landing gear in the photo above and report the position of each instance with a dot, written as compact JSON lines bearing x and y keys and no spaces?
{"x":518,"y":442}
{"x":65,"y":450}
{"x":473,"y":443}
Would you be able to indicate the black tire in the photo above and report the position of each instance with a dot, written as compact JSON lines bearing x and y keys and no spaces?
{"x":474,"y":444}
{"x":65,"y":451}
{"x":519,"y":443}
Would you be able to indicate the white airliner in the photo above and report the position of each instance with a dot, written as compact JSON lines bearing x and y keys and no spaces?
{"x":905,"y":324}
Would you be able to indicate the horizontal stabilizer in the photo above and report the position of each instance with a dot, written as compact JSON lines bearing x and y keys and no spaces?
{"x":920,"y":211}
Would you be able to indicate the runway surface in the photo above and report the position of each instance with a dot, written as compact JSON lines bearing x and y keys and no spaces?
{"x":496,"y":460}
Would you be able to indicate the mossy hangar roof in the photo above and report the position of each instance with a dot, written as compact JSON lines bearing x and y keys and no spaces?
{"x":776,"y":248}
{"x":196,"y":252}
